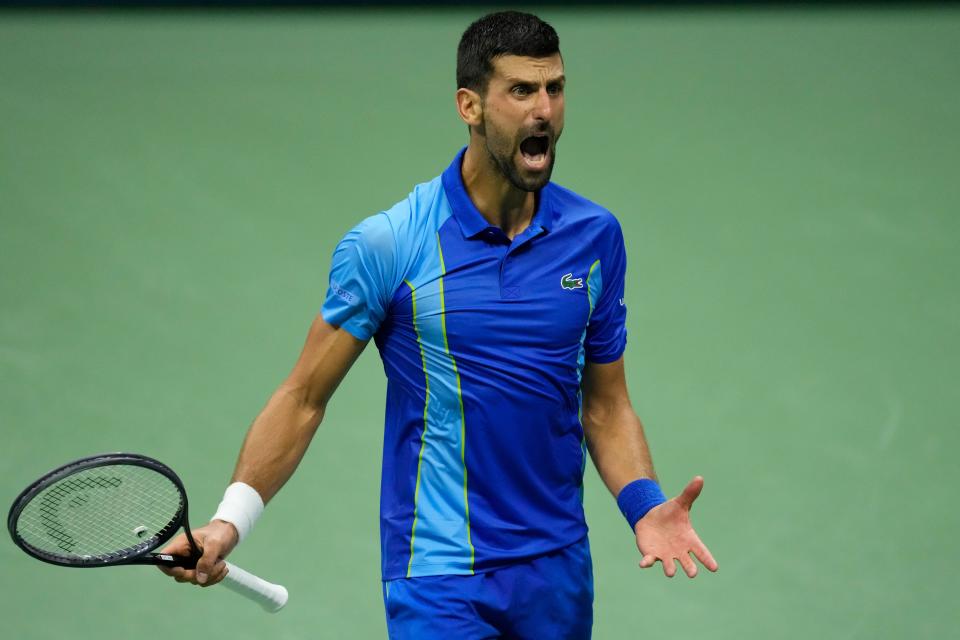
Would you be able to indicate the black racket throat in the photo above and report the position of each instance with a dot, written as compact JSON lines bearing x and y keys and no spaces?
{"x":167,"y":560}
{"x":184,"y":562}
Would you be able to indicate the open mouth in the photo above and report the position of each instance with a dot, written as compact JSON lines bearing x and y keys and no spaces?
{"x":534,"y":150}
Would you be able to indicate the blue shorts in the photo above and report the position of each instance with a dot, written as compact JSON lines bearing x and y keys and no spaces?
{"x":549,"y":596}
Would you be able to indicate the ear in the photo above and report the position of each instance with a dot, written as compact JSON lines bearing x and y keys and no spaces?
{"x":470,"y":107}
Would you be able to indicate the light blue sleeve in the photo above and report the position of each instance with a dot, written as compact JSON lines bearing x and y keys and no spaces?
{"x":606,"y":338}
{"x":362,"y":278}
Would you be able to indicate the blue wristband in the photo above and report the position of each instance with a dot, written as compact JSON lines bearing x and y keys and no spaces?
{"x":638,"y":497}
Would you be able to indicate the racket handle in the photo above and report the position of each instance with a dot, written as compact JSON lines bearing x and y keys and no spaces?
{"x":270,"y":596}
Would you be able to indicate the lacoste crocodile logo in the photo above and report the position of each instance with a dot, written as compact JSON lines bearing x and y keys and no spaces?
{"x":569,"y":282}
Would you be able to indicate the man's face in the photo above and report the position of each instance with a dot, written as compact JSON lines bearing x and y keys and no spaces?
{"x":523,"y":118}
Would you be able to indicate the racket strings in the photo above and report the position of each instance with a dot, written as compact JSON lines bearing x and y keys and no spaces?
{"x":71,"y":488}
{"x":101,"y":513}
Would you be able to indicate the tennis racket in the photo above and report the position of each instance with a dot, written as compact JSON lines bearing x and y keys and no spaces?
{"x":115,"y":509}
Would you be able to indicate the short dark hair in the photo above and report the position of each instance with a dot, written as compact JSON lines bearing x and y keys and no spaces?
{"x":499,"y":34}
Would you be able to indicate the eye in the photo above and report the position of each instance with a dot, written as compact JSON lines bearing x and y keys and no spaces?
{"x":555,"y":89}
{"x":520,"y":90}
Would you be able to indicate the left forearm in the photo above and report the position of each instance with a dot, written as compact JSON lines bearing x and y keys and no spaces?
{"x":619,"y":450}
{"x":617,"y":444}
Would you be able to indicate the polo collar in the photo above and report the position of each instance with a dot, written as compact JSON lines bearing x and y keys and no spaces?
{"x":472,"y":222}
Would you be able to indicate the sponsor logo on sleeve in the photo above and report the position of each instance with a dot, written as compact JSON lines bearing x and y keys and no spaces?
{"x":342,"y":293}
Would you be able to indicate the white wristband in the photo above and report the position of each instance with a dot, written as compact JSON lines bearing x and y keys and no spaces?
{"x":241,"y":506}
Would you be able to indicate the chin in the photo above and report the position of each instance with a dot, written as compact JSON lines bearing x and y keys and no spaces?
{"x":531,"y":181}
{"x":537,"y":183}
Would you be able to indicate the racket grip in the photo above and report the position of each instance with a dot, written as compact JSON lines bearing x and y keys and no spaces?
{"x":272,"y":597}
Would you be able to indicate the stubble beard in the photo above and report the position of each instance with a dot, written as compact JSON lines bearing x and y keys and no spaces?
{"x":503,"y":155}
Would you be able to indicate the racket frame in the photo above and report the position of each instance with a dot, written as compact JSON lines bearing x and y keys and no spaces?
{"x":272,"y":597}
{"x":136,"y":555}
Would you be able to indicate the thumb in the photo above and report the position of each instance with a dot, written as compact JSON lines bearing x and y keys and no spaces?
{"x":690,"y":493}
{"x":211,"y":553}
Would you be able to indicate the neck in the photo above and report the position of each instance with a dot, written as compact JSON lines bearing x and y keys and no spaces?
{"x":498,"y":201}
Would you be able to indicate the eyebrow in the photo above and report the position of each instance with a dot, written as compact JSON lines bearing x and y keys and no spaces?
{"x":512,"y":80}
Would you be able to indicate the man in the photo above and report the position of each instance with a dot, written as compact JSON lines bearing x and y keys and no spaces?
{"x":495,"y":298}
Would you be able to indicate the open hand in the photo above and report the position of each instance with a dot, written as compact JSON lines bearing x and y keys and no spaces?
{"x":216,"y":540}
{"x":665,"y":534}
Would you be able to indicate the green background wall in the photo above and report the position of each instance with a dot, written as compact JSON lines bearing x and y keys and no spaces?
{"x":172,"y":186}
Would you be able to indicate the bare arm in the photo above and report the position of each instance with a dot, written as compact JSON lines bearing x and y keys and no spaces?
{"x":613,"y":431}
{"x":279,"y":436}
{"x":276,"y":441}
{"x":619,"y":450}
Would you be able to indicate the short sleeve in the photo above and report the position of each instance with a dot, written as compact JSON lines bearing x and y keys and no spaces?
{"x":606,"y":337}
{"x":362,"y":278}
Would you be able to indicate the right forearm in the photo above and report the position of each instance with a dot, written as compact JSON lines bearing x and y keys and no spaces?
{"x":277,"y":440}
{"x":274,"y":446}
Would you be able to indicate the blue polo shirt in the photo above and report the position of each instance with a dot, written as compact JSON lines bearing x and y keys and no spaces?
{"x":483,"y":341}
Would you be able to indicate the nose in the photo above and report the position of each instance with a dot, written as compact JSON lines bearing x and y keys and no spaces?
{"x":543,"y":106}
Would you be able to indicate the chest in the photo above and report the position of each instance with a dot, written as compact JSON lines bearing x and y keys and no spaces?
{"x":533,"y":295}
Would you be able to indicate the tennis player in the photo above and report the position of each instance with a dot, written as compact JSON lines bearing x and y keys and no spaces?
{"x":496,"y":300}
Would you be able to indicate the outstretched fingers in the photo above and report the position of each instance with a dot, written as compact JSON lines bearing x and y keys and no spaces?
{"x":665,"y":534}
{"x":687,"y":563}
{"x":689,"y":566}
{"x":704,"y":556}
{"x":690,"y":493}
{"x":669,"y":567}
